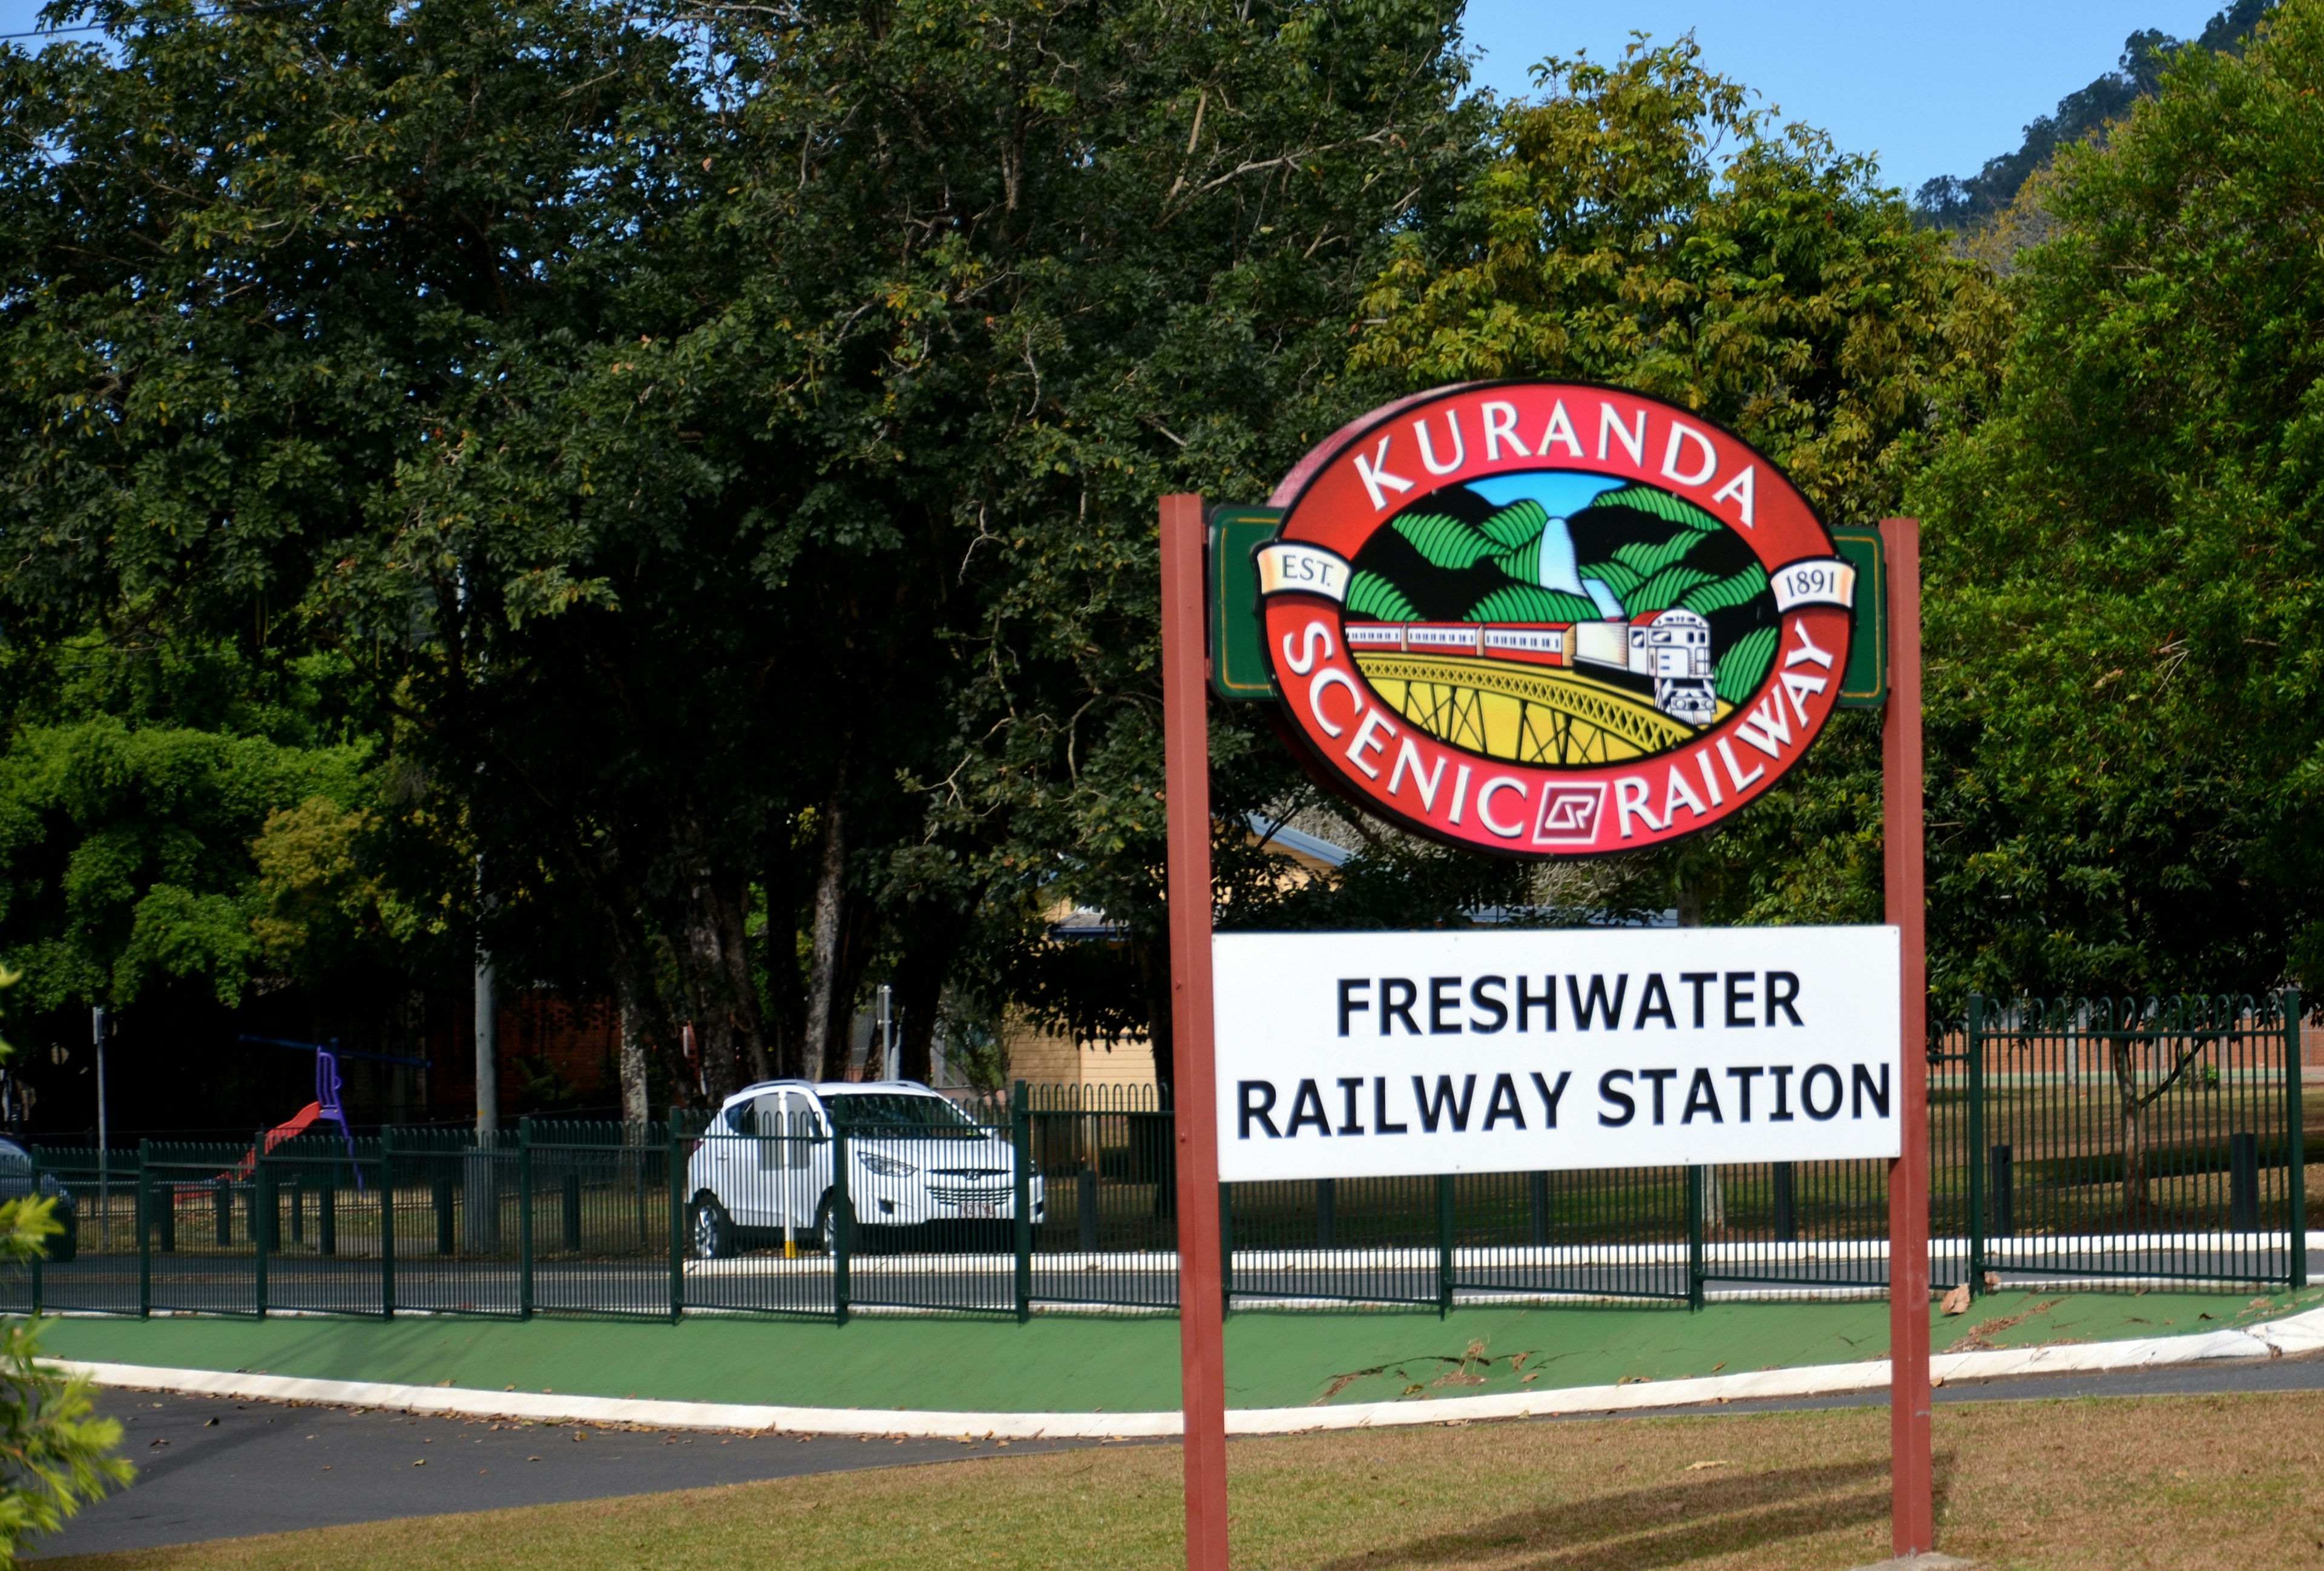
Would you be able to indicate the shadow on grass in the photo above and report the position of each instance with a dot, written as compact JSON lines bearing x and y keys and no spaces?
{"x":1670,"y":1524}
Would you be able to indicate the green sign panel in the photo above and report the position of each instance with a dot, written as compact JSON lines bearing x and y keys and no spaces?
{"x":1239,"y":661}
{"x":1865,"y":685}
{"x":1238,"y":658}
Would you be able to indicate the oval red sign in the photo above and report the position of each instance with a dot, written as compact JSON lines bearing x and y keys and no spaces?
{"x":1548,"y":619}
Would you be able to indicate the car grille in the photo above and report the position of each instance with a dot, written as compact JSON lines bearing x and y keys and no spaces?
{"x":964,"y":1194}
{"x":970,"y":1172}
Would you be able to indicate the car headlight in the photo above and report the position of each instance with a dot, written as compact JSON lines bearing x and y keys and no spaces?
{"x":886,"y":1167}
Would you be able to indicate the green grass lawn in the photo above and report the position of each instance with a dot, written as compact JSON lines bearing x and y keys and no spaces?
{"x":2208,"y":1483}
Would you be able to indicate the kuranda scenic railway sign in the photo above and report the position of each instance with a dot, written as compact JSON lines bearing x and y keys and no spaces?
{"x":1551,"y":619}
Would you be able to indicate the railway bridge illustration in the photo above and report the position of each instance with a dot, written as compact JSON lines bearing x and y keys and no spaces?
{"x":1525,"y":713}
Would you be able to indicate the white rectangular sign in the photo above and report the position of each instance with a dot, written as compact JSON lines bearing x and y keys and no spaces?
{"x":1358,"y":1055}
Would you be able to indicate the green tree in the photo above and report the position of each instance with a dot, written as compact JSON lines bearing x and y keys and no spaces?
{"x":2125,"y":556}
{"x":54,"y":1452}
{"x":711,"y":437}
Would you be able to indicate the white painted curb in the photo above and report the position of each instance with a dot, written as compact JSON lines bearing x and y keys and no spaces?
{"x":2297,"y":1334}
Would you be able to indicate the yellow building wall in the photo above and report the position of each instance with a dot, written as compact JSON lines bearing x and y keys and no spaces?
{"x":1043,"y":1057}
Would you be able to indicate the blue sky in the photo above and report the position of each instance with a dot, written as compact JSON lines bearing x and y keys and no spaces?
{"x":1931,"y":89}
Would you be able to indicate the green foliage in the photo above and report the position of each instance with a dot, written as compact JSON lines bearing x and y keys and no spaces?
{"x":54,"y":1452}
{"x":126,"y":853}
{"x":1445,"y":543}
{"x":1743,"y":665}
{"x":2126,"y":683}
{"x":1664,"y":589}
{"x":1737,"y":588}
{"x":1370,"y":595}
{"x":1519,"y":523}
{"x":1530,"y":602}
{"x":1662,"y":504}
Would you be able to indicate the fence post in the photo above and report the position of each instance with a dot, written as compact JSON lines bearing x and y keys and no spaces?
{"x":2295,"y":1138}
{"x":326,"y":1212}
{"x":40,"y":1255}
{"x":842,"y":1218}
{"x":1226,"y":1249}
{"x":1975,"y":1153}
{"x":1694,"y":1238}
{"x":144,"y":1236}
{"x":1443,"y":1244}
{"x":386,"y":1225}
{"x":1021,"y":1134}
{"x":676,"y":1184}
{"x":261,"y":1205}
{"x":165,"y":1220}
{"x":523,"y":1218}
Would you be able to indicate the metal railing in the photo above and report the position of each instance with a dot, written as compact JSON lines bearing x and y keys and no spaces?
{"x":2071,"y":1141}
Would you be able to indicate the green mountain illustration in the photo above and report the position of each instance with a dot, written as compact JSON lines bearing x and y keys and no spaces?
{"x":1452,"y":556}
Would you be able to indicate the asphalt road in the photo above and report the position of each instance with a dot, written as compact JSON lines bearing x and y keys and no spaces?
{"x":214,"y":1468}
{"x":211,"y":1468}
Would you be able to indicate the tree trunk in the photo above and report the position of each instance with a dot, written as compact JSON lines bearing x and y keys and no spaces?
{"x":2122,"y":1058}
{"x":786,"y":999}
{"x":634,"y":1109}
{"x":929,"y":948}
{"x":826,"y":1035}
{"x":721,"y":995}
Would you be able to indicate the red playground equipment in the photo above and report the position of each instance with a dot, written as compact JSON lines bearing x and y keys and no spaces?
{"x":325,"y":1108}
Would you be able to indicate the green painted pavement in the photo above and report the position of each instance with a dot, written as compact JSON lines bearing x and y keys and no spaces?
{"x":1083,"y":1364}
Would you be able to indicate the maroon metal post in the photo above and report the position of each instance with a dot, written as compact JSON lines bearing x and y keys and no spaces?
{"x":1186,"y":780}
{"x":1913,"y":1506}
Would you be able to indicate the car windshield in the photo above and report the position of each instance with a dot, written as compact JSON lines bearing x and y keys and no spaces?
{"x":902,"y":1114}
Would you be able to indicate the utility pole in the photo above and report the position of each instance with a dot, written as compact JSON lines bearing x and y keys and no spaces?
{"x":104,"y":1148}
{"x":484,"y":1184}
{"x":488,"y":1067}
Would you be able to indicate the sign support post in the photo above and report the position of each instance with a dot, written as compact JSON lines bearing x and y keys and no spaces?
{"x":1912,"y":1501}
{"x":1187,"y":743}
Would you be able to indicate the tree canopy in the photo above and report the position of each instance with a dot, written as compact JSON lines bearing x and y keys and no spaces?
{"x":667,"y":496}
{"x":2126,"y":560}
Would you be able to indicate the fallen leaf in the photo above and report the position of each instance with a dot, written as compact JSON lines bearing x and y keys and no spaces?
{"x":1698,"y":1467}
{"x":421,"y":1463}
{"x":1957,"y":1301}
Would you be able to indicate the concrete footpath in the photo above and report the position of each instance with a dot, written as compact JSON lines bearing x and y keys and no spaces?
{"x":1099,"y":1375}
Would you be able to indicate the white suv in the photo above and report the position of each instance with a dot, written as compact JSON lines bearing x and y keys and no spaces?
{"x":761,"y":1171}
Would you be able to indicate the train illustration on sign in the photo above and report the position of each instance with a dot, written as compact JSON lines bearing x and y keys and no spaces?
{"x":1670,"y":649}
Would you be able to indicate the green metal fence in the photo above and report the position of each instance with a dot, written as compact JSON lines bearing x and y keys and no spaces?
{"x":2071,"y":1141}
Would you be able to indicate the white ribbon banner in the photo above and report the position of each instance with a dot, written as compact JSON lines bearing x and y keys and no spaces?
{"x":1814,"y":582}
{"x":1285,"y":568}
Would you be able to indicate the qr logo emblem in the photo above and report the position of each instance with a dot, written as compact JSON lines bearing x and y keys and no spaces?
{"x":1569,"y":815}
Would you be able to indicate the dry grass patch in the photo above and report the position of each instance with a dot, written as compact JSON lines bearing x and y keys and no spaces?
{"x":2189,"y":1484}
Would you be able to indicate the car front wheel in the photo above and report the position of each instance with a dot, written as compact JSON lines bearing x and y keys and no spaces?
{"x":823,"y":1224}
{"x":710,"y":1229}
